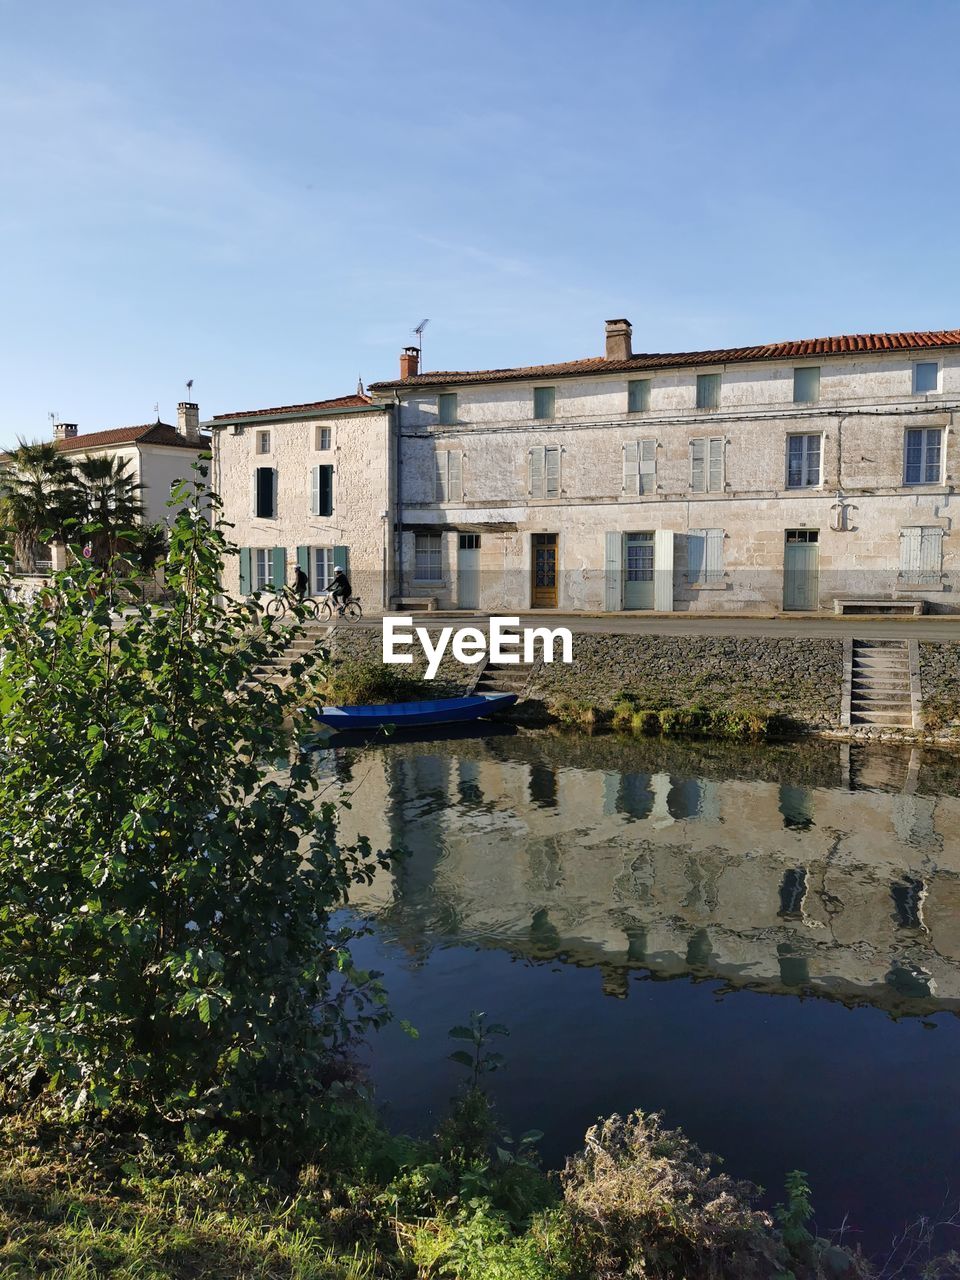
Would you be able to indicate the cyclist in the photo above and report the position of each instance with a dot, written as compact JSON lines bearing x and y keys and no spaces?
{"x":300,"y":584}
{"x":339,"y":588}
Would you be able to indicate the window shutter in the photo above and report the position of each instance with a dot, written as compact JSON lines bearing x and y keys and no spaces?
{"x":931,"y":544}
{"x":715,"y":483}
{"x":455,"y":475}
{"x":663,"y":570}
{"x":613,"y":572}
{"x":245,"y":556}
{"x":696,"y":554}
{"x":698,"y":478}
{"x":278,"y":566}
{"x":315,"y":491}
{"x":536,"y":471}
{"x":648,"y":466}
{"x":440,"y":475}
{"x":303,"y":559}
{"x":713,"y":554}
{"x":631,"y":467}
{"x":551,"y":488}
{"x":325,"y":491}
{"x":341,"y":557}
{"x":273,"y":491}
{"x":910,"y":550}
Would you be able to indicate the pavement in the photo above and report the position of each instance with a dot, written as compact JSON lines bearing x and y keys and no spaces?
{"x":930,"y":627}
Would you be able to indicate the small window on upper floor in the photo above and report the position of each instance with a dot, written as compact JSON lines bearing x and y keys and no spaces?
{"x":804,"y":455}
{"x":806,"y":384}
{"x":324,"y":438}
{"x":708,"y":390}
{"x":638,"y":395}
{"x":263,"y":442}
{"x":926,"y":377}
{"x":544,"y":402}
{"x":923,"y":455}
{"x":447,"y":409}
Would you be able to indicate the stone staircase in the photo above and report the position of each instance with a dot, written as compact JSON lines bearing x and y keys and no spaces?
{"x":880,"y":684}
{"x":275,"y":670}
{"x":501,"y":677}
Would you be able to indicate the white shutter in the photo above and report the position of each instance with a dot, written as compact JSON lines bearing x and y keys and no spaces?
{"x":696,"y":554}
{"x":454,"y":475}
{"x":931,"y":545}
{"x":315,"y":491}
{"x":631,"y":467}
{"x":715,"y":481}
{"x":698,"y":474}
{"x":551,"y":488}
{"x":910,"y":538}
{"x":647,"y":452}
{"x":713,"y":555}
{"x":663,"y":570}
{"x":613,"y":573}
{"x":536,"y":471}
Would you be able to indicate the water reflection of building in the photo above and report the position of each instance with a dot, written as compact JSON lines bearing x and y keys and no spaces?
{"x":770,"y":884}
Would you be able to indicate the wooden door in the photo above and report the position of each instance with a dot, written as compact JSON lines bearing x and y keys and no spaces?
{"x":801,"y":564}
{"x":543,"y":594}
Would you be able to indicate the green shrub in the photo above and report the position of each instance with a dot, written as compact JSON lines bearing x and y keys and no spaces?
{"x":355,"y":682}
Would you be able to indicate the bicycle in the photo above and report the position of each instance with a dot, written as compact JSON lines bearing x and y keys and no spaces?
{"x":351,"y":610}
{"x":286,"y":601}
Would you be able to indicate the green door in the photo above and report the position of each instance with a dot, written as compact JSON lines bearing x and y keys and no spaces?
{"x":801,"y":558}
{"x":638,"y":571}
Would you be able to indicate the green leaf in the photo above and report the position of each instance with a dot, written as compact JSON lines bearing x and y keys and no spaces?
{"x":461,"y":1056}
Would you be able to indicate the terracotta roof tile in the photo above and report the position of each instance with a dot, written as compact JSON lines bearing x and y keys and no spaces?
{"x":340,"y":402}
{"x":149,"y":433}
{"x":801,"y":348}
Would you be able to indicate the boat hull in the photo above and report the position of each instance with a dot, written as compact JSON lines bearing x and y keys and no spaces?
{"x":411,"y":715}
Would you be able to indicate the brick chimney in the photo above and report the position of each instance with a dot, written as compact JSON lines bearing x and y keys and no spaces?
{"x":188,"y":420}
{"x":64,"y":430}
{"x":619,"y":333}
{"x":409,"y":362}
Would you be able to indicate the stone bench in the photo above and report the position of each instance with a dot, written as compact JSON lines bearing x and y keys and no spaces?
{"x":900,"y":608}
{"x":414,"y":604}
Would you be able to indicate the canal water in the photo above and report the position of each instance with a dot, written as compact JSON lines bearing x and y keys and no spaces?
{"x":761,"y":942}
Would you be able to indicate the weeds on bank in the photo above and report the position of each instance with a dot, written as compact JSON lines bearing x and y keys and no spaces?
{"x":630,"y":715}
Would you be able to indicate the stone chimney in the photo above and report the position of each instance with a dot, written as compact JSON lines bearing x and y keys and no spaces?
{"x":619,"y":333}
{"x":188,"y":420}
{"x":64,"y":430}
{"x":409,"y":362}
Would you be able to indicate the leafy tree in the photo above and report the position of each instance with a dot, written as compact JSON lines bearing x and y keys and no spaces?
{"x":37,"y":497}
{"x":107,"y":503}
{"x":166,"y":940}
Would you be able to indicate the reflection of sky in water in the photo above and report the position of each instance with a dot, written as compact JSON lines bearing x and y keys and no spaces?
{"x":559,"y":882}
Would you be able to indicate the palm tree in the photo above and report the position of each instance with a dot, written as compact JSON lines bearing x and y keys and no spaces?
{"x":36,"y":498}
{"x":107,"y":500}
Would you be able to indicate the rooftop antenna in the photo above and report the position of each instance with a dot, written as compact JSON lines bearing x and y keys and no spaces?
{"x":419,"y":332}
{"x":156,"y":410}
{"x":190,"y":389}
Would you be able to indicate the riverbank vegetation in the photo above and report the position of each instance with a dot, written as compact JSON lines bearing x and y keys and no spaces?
{"x":631,"y":714}
{"x":180,"y":1010}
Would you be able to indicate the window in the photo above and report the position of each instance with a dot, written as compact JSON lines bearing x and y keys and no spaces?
{"x":545,"y":471}
{"x":806,"y":384}
{"x":263,"y":442}
{"x":448,"y":485}
{"x":261,"y":568}
{"x":638,"y":395}
{"x":803,"y":461}
{"x":708,"y":390}
{"x":640,"y":466}
{"x":921,"y":553}
{"x":922,"y":449}
{"x":926,"y":375}
{"x":321,"y":491}
{"x":706,"y":465}
{"x":324,"y":438}
{"x":705,"y":555}
{"x":265,"y":493}
{"x":447,"y":409}
{"x":427,"y":566}
{"x":544,"y":402}
{"x":323,"y":567}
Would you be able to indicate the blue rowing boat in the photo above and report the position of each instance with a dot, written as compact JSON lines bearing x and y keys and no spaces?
{"x":410,"y":715}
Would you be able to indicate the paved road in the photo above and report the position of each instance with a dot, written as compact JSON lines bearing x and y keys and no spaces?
{"x":942,"y":627}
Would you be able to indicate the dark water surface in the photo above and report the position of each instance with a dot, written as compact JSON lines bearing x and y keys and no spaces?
{"x":762,"y":942}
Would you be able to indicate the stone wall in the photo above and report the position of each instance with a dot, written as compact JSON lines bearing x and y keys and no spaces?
{"x":799,"y":679}
{"x":940,"y":683}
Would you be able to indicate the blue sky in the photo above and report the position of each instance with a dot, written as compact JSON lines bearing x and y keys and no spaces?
{"x":267,"y":198}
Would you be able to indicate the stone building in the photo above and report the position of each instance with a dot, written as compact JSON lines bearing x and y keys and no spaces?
{"x":785,"y":476}
{"x":307,"y":484}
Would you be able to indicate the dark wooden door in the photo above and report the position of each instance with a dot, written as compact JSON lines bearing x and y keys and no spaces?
{"x":544,"y":589}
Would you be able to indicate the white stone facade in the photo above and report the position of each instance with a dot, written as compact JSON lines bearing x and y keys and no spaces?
{"x":641,"y":510}
{"x":349,"y":441}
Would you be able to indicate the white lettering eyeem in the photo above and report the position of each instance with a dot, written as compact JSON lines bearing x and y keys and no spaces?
{"x":469,"y":645}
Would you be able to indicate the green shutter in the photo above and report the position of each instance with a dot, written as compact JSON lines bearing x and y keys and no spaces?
{"x":341,"y":557}
{"x":278,"y":566}
{"x":325,"y":491}
{"x":245,"y":557}
{"x":303,"y":559}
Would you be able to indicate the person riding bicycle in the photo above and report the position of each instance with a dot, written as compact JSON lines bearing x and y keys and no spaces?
{"x":300,"y":584}
{"x":339,"y":588}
